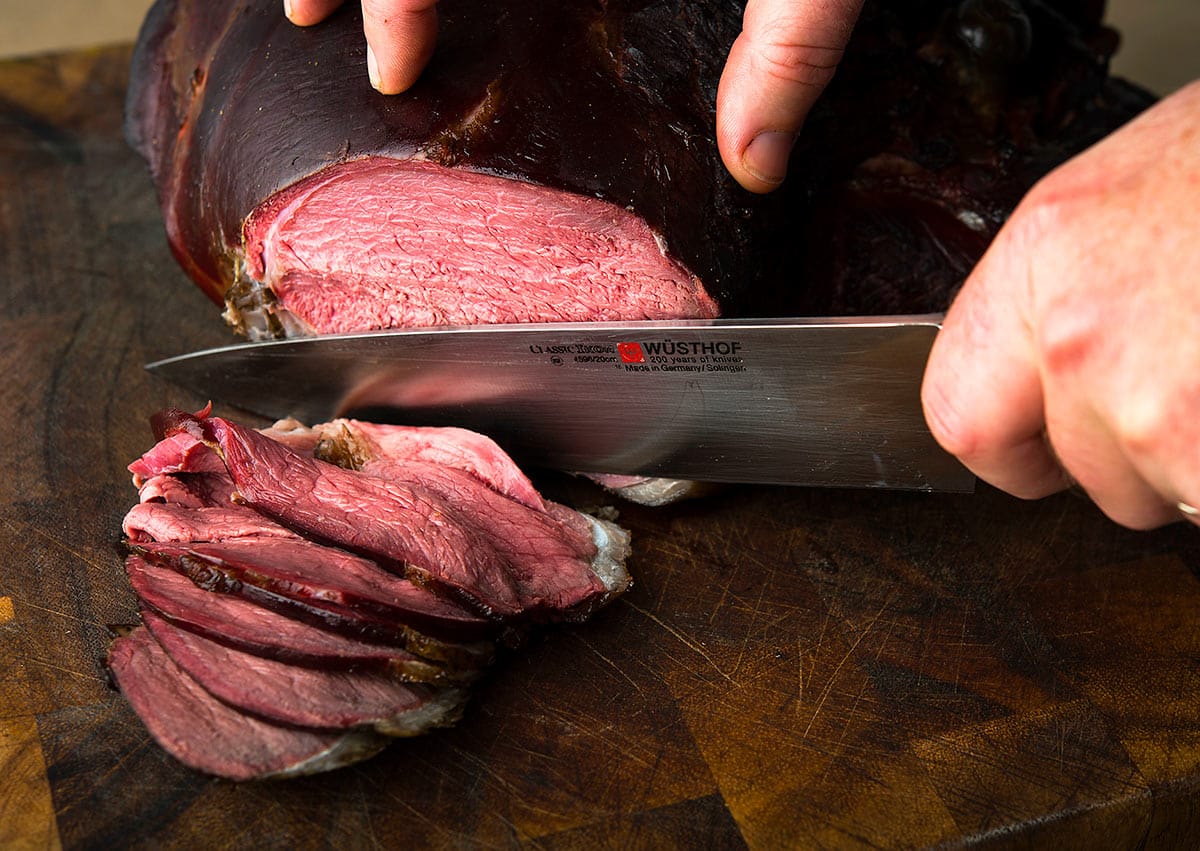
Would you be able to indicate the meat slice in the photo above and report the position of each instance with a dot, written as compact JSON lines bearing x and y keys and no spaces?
{"x":652,"y":491}
{"x":306,"y":697}
{"x":462,"y":644}
{"x":207,"y":735}
{"x":236,"y":622}
{"x":177,"y":453}
{"x":509,"y":560}
{"x":322,"y":577}
{"x":193,"y":490}
{"x":360,"y":445}
{"x":295,"y":435}
{"x":164,"y":487}
{"x":154,"y":521}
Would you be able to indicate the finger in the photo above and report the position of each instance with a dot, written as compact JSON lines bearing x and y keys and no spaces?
{"x":982,"y":392}
{"x":305,"y":13}
{"x":1150,"y":424}
{"x":1100,"y":464}
{"x":400,"y":39}
{"x":786,"y":54}
{"x":1152,"y":405}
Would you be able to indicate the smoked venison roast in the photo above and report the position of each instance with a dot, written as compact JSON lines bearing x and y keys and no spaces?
{"x":557,"y":161}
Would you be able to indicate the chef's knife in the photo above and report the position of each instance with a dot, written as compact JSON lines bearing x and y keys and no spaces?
{"x":831,"y":402}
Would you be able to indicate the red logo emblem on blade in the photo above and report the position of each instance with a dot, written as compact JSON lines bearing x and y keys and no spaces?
{"x":631,"y":353}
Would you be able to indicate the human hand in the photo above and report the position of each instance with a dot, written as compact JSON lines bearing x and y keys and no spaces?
{"x":777,"y":68}
{"x":1072,"y":352}
{"x":400,"y":36}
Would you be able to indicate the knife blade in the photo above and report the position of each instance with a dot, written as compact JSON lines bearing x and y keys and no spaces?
{"x":822,"y":402}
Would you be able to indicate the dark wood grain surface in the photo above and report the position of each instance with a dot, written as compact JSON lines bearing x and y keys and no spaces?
{"x":793,"y":667}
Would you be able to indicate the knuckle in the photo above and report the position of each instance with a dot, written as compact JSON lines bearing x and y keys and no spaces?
{"x":1159,"y":424}
{"x":1069,"y":333}
{"x":1069,"y":324}
{"x":1047,"y":210}
{"x":1140,"y":428}
{"x":1052,"y":207}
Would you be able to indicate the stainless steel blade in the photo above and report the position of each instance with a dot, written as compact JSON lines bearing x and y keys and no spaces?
{"x":831,"y":402}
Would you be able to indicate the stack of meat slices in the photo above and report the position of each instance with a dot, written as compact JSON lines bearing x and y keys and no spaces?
{"x":307,"y":593}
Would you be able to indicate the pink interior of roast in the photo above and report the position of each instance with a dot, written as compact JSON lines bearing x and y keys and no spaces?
{"x":378,"y":243}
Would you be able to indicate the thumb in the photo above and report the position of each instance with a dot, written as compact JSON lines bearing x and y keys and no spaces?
{"x":777,"y":68}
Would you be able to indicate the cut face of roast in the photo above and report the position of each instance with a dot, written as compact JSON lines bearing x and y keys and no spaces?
{"x":383,"y":243}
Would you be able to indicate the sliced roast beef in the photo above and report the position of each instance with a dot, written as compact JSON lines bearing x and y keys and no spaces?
{"x":359,"y":445}
{"x":323,"y":577}
{"x":213,"y":489}
{"x":442,"y":526}
{"x":652,"y":491}
{"x":178,"y":453}
{"x":306,"y":697}
{"x":206,"y":734}
{"x":254,"y":624}
{"x":165,"y":487}
{"x":236,"y":622}
{"x":171,"y":521}
{"x":464,"y":655}
{"x":295,"y":435}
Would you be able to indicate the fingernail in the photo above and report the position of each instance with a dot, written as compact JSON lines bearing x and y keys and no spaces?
{"x":287,"y":9}
{"x":372,"y":67}
{"x":766,"y":156}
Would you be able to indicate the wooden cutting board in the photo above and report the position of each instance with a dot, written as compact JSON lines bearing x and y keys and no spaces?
{"x":793,"y":668}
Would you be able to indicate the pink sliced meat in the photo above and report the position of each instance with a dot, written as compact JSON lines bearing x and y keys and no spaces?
{"x":418,"y":249}
{"x":165,"y":487}
{"x":166,"y":522}
{"x":207,"y":735}
{"x":304,"y":606}
{"x":325,"y":577}
{"x":509,"y":560}
{"x":306,"y":697}
{"x":234,"y":621}
{"x":365,"y":445}
{"x":177,"y":453}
